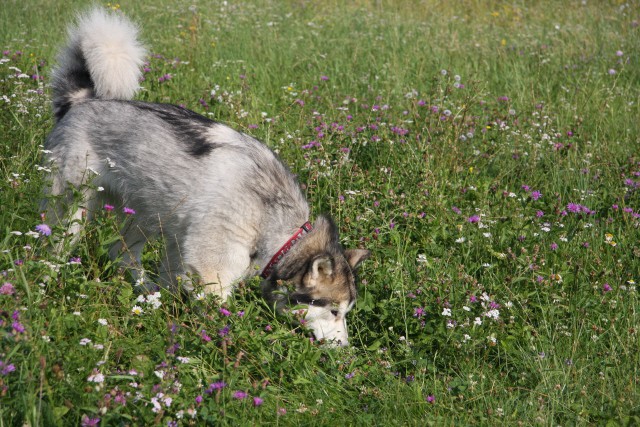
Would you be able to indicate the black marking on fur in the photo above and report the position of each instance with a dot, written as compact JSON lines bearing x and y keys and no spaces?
{"x":299,"y":298}
{"x":188,"y":126}
{"x":74,"y":81}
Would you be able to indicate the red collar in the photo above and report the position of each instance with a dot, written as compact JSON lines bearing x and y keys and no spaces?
{"x":306,"y":227}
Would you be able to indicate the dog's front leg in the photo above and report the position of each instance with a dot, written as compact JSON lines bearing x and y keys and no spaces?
{"x":220,"y":272}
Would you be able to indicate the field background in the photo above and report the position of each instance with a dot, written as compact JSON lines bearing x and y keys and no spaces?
{"x":486,"y":152}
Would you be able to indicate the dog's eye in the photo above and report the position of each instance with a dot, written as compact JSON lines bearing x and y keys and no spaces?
{"x":334,"y":312}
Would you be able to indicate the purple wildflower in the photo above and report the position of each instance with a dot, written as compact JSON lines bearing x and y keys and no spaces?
{"x":418,"y":312}
{"x":239,"y":394}
{"x":473,"y":219}
{"x":204,"y":336}
{"x":573,"y":208}
{"x":108,"y":208}
{"x":606,"y":287}
{"x":225,"y":312}
{"x":6,"y":368}
{"x":431,"y":398}
{"x":219,"y":385}
{"x":539,"y":214}
{"x":128,"y":211}
{"x":554,"y":246}
{"x":43,"y":229}
{"x":89,"y":422}
{"x":18,"y":327}
{"x":456,"y":210}
{"x":257,"y":401}
{"x":535,"y":195}
{"x":224,"y":331}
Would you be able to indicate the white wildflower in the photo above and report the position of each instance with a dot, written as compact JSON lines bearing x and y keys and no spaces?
{"x":97,"y":377}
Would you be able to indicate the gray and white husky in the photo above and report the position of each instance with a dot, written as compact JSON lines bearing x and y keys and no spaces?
{"x":224,"y":204}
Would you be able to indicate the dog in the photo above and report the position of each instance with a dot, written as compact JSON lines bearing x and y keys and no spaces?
{"x":226,"y":207}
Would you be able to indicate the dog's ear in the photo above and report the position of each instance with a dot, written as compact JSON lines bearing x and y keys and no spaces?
{"x":356,"y":256}
{"x":320,"y":270}
{"x":327,"y":227}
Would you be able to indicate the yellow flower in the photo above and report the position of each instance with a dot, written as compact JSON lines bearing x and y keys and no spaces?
{"x":608,"y":239}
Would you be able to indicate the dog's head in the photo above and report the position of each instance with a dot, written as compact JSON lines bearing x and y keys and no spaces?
{"x":322,"y":276}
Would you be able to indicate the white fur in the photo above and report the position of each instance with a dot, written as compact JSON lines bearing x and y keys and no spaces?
{"x":329,"y":326}
{"x":111,"y":50}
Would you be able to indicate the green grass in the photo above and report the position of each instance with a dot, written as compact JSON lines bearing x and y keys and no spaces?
{"x":538,"y":107}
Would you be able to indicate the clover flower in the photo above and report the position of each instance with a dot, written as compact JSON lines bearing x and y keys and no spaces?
{"x":7,"y":289}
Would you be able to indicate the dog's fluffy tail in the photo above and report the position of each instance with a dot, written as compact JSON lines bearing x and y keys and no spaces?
{"x":101,"y":60}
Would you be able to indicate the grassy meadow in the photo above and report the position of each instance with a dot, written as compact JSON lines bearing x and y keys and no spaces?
{"x":486,"y":152}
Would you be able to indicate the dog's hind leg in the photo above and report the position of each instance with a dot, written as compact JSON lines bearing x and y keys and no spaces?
{"x":130,"y":249}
